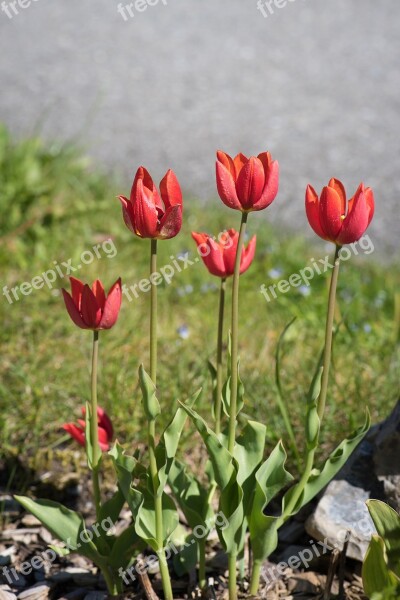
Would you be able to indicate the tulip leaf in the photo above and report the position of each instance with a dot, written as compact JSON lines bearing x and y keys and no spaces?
{"x":226,"y":471}
{"x":387,"y":523}
{"x":145,"y":521}
{"x":123,"y":548}
{"x":270,"y":478}
{"x":150,"y":403}
{"x":64,"y":524}
{"x":377,"y":577}
{"x":169,"y":441}
{"x":191,"y":496}
{"x":111,"y":509}
{"x":319,"y":479}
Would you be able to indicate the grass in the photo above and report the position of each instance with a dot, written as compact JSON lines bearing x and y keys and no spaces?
{"x":54,"y":206}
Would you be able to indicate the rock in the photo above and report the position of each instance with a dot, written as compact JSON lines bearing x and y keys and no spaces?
{"x":342,"y":509}
{"x":39,"y":591}
{"x":6,"y":593}
{"x":373,"y":471}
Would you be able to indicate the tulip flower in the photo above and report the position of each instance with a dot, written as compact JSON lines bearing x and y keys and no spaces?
{"x":105,"y":429}
{"x":247,"y":184}
{"x":336,"y":219}
{"x":147,"y":214}
{"x":90,"y":308}
{"x":219,"y":256}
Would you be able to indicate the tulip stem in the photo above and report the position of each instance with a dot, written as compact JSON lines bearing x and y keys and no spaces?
{"x":218,"y":398}
{"x":234,"y":338}
{"x":166,"y":581}
{"x":93,"y":425}
{"x":329,"y":334}
{"x":232,"y":558}
{"x":310,"y":454}
{"x":153,"y":314}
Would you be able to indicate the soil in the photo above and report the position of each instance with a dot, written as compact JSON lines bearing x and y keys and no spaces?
{"x":73,"y":577}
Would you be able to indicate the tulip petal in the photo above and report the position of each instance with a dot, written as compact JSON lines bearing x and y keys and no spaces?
{"x":338,"y":186}
{"x":312,"y":212}
{"x":356,"y":221}
{"x":73,"y":311}
{"x":75,"y":432}
{"x":127,"y":213}
{"x":144,"y":213}
{"x":227,"y":161}
{"x":270,"y":191}
{"x":239,"y":161}
{"x":98,"y":291}
{"x":104,"y":421}
{"x":76,"y":290}
{"x":211,"y":253}
{"x":330,"y":212}
{"x":228,"y":245}
{"x":226,"y":187}
{"x":170,"y":189}
{"x":112,"y":306}
{"x":248,"y":255}
{"x":103,"y":439}
{"x":170,"y":223}
{"x":250,"y":183}
{"x":143,"y":176}
{"x":91,"y":312}
{"x":369,"y":196}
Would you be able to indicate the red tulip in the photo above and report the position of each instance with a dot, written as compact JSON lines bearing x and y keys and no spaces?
{"x":145,"y":214}
{"x":247,"y":184}
{"x":219,"y":256}
{"x":105,"y":429}
{"x":91,"y":308}
{"x":336,"y":219}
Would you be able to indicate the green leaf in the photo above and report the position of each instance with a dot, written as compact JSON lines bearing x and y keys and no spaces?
{"x":387,"y":523}
{"x":150,"y":403}
{"x":375,"y":572}
{"x":145,"y":521}
{"x":111,"y":509}
{"x":271,"y":477}
{"x":191,"y":496}
{"x":63,"y":523}
{"x":319,"y":479}
{"x":226,"y":472}
{"x":123,"y":548}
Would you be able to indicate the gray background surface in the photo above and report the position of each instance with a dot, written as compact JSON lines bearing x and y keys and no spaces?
{"x":317,"y":83}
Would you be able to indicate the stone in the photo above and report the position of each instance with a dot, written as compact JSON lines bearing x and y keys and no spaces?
{"x":373,"y":471}
{"x":342,"y":509}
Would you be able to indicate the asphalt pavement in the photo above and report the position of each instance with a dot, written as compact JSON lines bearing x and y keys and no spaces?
{"x":165,"y":83}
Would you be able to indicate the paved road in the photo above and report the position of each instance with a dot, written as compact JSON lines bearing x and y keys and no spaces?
{"x":317,"y":82}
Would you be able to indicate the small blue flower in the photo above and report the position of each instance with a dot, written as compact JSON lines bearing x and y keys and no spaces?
{"x":183,"y":332}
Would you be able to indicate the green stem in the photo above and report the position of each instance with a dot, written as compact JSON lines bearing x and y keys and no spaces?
{"x":255,"y":578}
{"x":153,"y":314}
{"x":310,"y":454}
{"x":93,"y":425}
{"x":234,"y":338}
{"x":218,"y":399}
{"x":166,"y":581}
{"x":232,"y":557}
{"x":202,"y":563}
{"x":329,"y":334}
